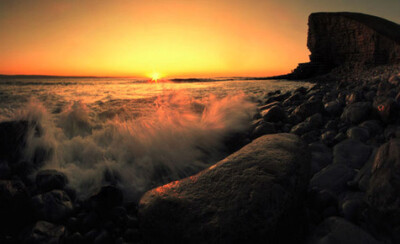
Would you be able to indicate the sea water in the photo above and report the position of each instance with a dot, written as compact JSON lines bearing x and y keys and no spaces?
{"x":135,"y":132}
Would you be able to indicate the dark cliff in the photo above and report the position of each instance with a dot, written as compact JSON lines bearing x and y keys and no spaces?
{"x":346,"y":39}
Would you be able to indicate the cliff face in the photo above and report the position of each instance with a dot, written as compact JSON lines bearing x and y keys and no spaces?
{"x":343,"y":39}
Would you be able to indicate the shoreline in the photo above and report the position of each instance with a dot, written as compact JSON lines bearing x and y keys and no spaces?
{"x":335,"y":119}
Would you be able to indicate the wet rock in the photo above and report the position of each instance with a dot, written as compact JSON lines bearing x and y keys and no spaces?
{"x":307,"y":125}
{"x":384,"y":88}
{"x":5,"y":171}
{"x":254,"y":194}
{"x":308,"y":108}
{"x":263,"y":129}
{"x":315,"y":120}
{"x":352,"y":206}
{"x":12,"y":140}
{"x":118,"y":215}
{"x":397,"y":99}
{"x":331,"y":125}
{"x":384,"y":184}
{"x":311,"y":136}
{"x":328,"y":137}
{"x":271,"y":93}
{"x":370,"y":95}
{"x":72,"y":224}
{"x":75,"y":238}
{"x":277,"y":97}
{"x":269,"y":105}
{"x":274,"y":114}
{"x":286,"y":128}
{"x":321,"y":156}
{"x":47,"y":180}
{"x":301,"y":90}
{"x":132,"y":222}
{"x":53,"y":206}
{"x":107,"y":198}
{"x":91,"y":235}
{"x":338,"y":230}
{"x":301,"y":128}
{"x":14,"y":206}
{"x":352,"y":98}
{"x":333,"y":108}
{"x":364,"y":174}
{"x":293,"y":99}
{"x":44,"y":232}
{"x":339,"y":137}
{"x":387,"y":109}
{"x":394,"y":80}
{"x":103,"y":238}
{"x":391,"y":131}
{"x":352,"y":153}
{"x":373,"y":126}
{"x":314,"y":98}
{"x":334,"y":178}
{"x":358,"y":133}
{"x":89,"y":221}
{"x":322,"y":204}
{"x":132,"y":235}
{"x":356,"y":112}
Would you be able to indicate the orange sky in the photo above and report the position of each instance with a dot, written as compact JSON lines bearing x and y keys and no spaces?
{"x":172,"y":37}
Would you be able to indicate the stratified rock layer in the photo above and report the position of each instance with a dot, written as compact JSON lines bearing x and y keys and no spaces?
{"x":254,"y":195}
{"x":337,"y":38}
{"x":346,"y":39}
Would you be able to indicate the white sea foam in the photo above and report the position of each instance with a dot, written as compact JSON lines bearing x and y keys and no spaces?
{"x":180,"y":136}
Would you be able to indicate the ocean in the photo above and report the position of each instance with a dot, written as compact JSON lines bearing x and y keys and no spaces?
{"x":132,"y":132}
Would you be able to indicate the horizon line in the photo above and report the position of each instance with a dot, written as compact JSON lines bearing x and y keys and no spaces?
{"x":94,"y":76}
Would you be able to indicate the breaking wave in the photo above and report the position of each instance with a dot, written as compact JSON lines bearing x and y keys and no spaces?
{"x":178,"y":136}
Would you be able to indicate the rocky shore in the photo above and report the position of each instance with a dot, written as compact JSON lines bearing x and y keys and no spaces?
{"x":322,"y":165}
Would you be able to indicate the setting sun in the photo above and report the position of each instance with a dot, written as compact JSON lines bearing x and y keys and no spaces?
{"x":155,"y":76}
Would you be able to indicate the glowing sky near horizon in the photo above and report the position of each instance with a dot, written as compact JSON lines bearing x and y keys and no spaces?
{"x":171,"y":37}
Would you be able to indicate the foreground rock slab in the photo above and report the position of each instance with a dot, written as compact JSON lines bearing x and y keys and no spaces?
{"x":254,"y":195}
{"x":337,"y":230}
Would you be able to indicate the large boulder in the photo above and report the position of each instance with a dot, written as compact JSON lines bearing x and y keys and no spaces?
{"x":254,"y":195}
{"x":352,"y":153}
{"x":357,"y":112}
{"x":384,"y":186}
{"x":53,"y":206}
{"x":337,"y":230}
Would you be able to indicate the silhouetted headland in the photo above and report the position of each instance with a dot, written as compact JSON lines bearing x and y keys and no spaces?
{"x":346,"y":44}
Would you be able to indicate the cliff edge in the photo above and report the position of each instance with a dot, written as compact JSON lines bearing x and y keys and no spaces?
{"x":345,"y":39}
